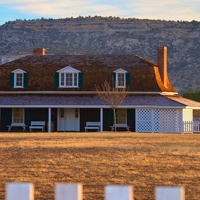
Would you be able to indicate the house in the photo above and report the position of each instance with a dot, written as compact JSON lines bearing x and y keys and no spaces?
{"x":60,"y":90}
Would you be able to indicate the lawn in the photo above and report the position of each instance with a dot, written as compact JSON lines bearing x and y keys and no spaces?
{"x":99,"y":159}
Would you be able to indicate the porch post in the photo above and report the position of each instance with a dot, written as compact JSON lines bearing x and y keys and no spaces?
{"x":101,"y":119}
{"x":49,"y":120}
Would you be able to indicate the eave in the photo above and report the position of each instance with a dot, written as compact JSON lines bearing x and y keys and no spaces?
{"x":81,"y":92}
{"x":94,"y":106}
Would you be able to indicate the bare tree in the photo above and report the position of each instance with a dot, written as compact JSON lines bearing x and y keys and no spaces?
{"x":112,"y":96}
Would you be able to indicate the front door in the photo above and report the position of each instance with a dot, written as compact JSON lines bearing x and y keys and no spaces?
{"x":69,"y":119}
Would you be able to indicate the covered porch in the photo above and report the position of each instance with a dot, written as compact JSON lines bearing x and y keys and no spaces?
{"x":64,"y":118}
{"x":70,"y":112}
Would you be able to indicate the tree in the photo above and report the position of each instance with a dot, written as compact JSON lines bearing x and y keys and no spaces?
{"x":192,"y":95}
{"x":112,"y":96}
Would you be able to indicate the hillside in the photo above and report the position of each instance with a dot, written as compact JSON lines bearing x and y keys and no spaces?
{"x":98,"y":35}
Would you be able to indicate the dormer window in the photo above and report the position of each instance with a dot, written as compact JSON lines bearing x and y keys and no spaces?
{"x":121,"y":78}
{"x":68,"y":77}
{"x":18,"y":79}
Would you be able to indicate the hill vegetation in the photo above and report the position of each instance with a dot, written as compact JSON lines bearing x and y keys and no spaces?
{"x":192,"y":95}
{"x":110,"y":35}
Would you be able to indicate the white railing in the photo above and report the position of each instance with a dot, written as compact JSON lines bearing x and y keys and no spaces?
{"x":191,"y":126}
{"x":25,"y":191}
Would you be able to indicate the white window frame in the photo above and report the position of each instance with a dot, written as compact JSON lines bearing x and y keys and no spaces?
{"x":117,"y":80}
{"x":16,"y":73}
{"x":16,"y":79}
{"x":13,"y":119}
{"x":117,"y":72}
{"x":74,"y":81}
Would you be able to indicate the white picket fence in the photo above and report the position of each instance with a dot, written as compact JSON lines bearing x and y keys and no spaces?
{"x":191,"y":126}
{"x":25,"y":191}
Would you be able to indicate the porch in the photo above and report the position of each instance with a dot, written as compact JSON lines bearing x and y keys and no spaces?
{"x":19,"y":119}
{"x":70,"y":112}
{"x":64,"y":119}
{"x":75,"y":119}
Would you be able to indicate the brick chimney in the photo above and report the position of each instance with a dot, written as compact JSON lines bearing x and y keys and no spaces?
{"x":162,"y":64}
{"x":39,"y":51}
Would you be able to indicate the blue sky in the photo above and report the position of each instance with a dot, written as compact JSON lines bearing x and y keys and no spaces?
{"x":186,"y":10}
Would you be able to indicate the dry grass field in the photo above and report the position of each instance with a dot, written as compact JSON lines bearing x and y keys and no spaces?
{"x":98,"y":159}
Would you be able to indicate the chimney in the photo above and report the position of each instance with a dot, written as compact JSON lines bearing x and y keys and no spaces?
{"x":39,"y":51}
{"x":162,"y":64}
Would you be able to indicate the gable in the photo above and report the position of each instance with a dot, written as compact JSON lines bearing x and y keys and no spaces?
{"x":120,"y":70}
{"x":20,"y":71}
{"x":68,"y":69}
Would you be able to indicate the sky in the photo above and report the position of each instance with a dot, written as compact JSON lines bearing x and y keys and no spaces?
{"x":183,"y":10}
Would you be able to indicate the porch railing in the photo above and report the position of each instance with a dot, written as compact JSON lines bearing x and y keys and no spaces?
{"x":191,"y":126}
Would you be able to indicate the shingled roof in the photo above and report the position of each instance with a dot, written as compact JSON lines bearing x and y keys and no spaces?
{"x":184,"y":101}
{"x":79,"y":60}
{"x":84,"y":100}
{"x":96,"y":68}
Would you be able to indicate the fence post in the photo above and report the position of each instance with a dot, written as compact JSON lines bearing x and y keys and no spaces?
{"x":170,"y":193}
{"x":68,"y":191}
{"x":119,"y":192}
{"x":19,"y":191}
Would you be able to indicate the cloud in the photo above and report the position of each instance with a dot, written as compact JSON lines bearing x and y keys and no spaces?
{"x":152,"y":9}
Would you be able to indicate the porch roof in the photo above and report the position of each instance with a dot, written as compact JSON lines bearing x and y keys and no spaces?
{"x":78,"y":101}
{"x":185,"y":101}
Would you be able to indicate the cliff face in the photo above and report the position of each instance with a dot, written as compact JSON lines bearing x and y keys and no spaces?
{"x":110,"y":36}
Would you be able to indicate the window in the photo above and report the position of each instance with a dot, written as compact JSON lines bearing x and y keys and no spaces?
{"x":18,"y":79}
{"x":121,"y":78}
{"x":68,"y":77}
{"x":121,"y":116}
{"x":18,"y":115}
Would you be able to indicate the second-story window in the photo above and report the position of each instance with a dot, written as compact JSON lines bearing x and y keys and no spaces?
{"x":121,"y":78}
{"x":68,"y":77}
{"x":18,"y":79}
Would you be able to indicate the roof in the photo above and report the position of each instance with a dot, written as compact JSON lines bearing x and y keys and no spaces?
{"x":184,"y":101}
{"x":96,"y":68}
{"x":78,"y":101}
{"x":78,"y":60}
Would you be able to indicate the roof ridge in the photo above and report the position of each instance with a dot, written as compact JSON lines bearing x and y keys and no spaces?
{"x":147,"y":61}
